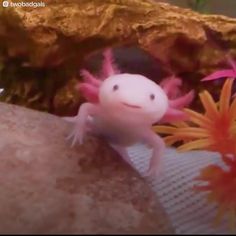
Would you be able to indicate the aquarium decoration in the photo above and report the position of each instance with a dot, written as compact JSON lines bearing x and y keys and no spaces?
{"x":198,"y":5}
{"x":213,"y":130}
{"x":227,"y":73}
{"x":43,"y":53}
{"x":47,"y":51}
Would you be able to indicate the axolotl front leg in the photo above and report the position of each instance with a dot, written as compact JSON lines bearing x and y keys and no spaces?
{"x":81,"y":122}
{"x":158,"y":146}
{"x":151,"y":138}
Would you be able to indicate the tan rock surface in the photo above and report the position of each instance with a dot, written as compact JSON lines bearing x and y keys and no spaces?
{"x":48,"y":187}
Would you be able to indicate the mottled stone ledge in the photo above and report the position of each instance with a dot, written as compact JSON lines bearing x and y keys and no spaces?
{"x":48,"y":187}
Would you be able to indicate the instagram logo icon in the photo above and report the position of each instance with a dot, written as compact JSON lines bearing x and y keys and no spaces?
{"x":5,"y":3}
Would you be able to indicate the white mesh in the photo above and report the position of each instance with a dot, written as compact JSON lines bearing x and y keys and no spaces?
{"x":188,"y":211}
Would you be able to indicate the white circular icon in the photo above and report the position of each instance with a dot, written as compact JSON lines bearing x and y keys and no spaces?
{"x":5,"y":3}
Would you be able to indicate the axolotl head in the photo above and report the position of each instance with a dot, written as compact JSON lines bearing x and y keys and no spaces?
{"x":133,"y":97}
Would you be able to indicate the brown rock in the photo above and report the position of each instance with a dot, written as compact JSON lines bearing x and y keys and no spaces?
{"x":58,"y":38}
{"x":71,"y":29}
{"x":48,"y":187}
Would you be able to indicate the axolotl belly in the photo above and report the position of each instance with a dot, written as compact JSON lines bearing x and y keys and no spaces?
{"x":123,"y":134}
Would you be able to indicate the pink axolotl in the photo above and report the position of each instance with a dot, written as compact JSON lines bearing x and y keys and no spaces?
{"x":123,"y":107}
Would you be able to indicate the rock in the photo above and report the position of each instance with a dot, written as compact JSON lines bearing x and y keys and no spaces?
{"x":49,"y":187}
{"x":65,"y":30}
{"x":59,"y":37}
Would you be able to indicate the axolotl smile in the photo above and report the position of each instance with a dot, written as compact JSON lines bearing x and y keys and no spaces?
{"x":131,"y":106}
{"x":133,"y":96}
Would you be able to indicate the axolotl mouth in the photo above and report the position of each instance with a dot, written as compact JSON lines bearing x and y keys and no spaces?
{"x":130,"y":105}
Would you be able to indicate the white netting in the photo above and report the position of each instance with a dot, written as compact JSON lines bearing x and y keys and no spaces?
{"x":188,"y":211}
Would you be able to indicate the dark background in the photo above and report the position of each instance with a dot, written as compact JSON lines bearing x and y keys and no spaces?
{"x":224,"y":7}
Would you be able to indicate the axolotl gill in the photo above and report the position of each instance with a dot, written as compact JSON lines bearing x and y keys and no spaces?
{"x":122,"y":108}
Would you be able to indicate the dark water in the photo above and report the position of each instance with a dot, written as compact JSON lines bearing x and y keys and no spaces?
{"x":227,"y":7}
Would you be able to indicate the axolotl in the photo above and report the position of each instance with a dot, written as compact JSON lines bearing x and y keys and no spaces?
{"x":122,"y":108}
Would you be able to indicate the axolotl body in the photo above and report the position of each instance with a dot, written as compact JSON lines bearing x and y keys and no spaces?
{"x":123,"y":109}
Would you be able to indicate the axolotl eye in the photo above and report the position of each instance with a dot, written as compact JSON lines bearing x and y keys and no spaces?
{"x":152,"y":96}
{"x":115,"y":87}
